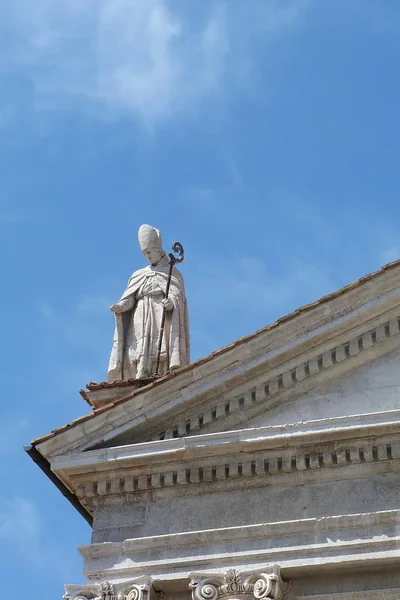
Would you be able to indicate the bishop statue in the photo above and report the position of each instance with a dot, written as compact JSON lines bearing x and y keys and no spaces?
{"x":151,"y":318}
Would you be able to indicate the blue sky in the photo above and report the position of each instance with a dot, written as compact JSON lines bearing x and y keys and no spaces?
{"x":263,"y":135}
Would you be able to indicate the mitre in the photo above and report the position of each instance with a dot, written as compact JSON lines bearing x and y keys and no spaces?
{"x":149,"y":237}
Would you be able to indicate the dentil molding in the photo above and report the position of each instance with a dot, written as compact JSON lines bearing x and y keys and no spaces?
{"x":278,"y":464}
{"x":269,"y":389}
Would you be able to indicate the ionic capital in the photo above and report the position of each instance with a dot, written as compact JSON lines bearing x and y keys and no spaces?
{"x":108,"y":591}
{"x":234,"y":585}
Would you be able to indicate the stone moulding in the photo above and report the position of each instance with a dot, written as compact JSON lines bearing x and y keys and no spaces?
{"x":260,"y":464}
{"x":286,"y":379}
{"x":301,"y":546}
{"x":231,"y":535}
{"x":232,"y":585}
{"x":273,"y":455}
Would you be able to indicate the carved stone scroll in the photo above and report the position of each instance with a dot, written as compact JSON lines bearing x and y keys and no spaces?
{"x":108,"y":591}
{"x":234,"y":585}
{"x":134,"y":592}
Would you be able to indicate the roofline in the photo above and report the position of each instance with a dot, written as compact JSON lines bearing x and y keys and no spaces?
{"x":305,"y":308}
{"x":44,"y":465}
{"x":240,"y":341}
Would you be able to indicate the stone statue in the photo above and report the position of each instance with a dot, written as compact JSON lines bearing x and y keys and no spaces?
{"x":139,"y":313}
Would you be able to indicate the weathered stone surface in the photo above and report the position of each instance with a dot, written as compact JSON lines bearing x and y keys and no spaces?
{"x":371,"y":388}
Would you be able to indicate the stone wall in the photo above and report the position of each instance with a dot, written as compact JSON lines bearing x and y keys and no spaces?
{"x":121,"y":517}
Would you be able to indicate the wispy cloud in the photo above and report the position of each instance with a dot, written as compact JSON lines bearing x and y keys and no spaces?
{"x":139,"y":58}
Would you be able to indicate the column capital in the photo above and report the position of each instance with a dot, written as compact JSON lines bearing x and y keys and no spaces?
{"x":133,"y":590}
{"x":264,"y":584}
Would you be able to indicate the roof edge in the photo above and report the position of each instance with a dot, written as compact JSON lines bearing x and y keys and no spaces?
{"x":44,"y":465}
{"x":169,"y":377}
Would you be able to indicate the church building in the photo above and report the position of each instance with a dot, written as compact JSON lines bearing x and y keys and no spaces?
{"x":267,"y":470}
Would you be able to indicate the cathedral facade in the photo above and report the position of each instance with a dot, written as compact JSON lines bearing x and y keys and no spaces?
{"x":267,"y":470}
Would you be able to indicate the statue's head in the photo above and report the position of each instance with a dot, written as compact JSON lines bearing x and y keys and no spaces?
{"x":151,"y":244}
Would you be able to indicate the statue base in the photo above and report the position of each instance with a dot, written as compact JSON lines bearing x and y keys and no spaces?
{"x":98,"y":395}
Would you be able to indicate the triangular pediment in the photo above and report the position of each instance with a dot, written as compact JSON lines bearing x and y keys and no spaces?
{"x":269,"y":377}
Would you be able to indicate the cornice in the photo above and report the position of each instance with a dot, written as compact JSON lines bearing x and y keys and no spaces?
{"x":299,"y":547}
{"x":279,"y":455}
{"x":280,"y":469}
{"x":235,"y":536}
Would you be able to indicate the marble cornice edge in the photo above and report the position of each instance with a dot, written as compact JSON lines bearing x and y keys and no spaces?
{"x":375,"y":452}
{"x":239,"y":533}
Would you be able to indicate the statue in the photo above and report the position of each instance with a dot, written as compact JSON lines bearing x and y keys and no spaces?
{"x":151,"y":318}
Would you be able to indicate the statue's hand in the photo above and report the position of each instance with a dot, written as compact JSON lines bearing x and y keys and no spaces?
{"x":167,"y":304}
{"x":123,"y":305}
{"x":116,"y":308}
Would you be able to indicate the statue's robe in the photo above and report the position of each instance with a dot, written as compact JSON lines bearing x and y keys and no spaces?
{"x":137,"y":328}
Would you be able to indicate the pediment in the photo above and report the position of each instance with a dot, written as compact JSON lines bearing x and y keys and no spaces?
{"x":272,"y":376}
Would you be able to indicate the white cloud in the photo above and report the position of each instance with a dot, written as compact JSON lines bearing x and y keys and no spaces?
{"x":140,"y":58}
